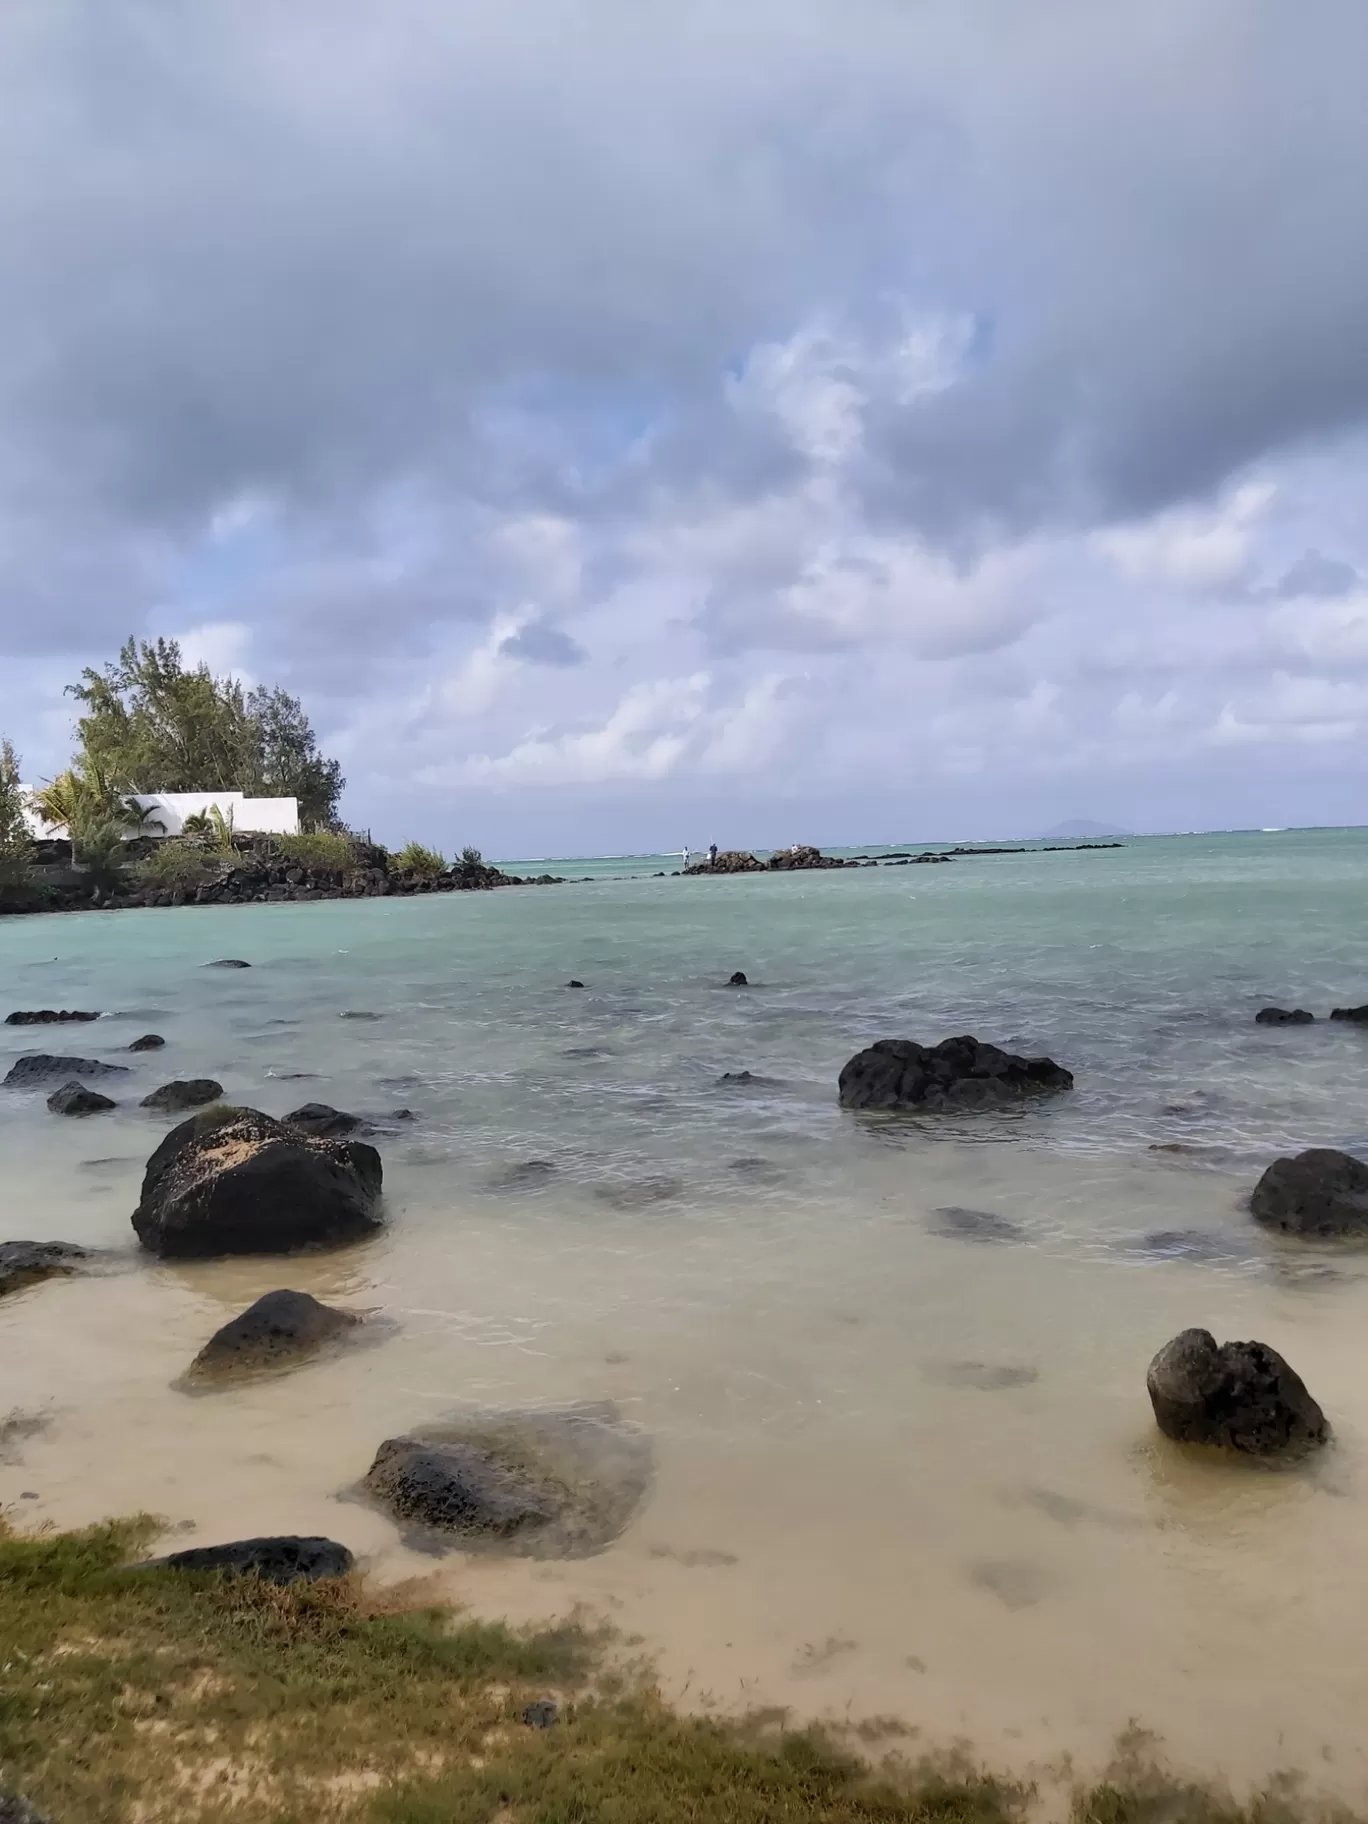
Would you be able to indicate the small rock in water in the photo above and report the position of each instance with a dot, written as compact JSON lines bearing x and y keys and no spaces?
{"x":228,"y":962}
{"x":1014,"y":1581}
{"x":640,"y":1193}
{"x":361,"y":1016}
{"x":574,"y":984}
{"x":285,"y":1559}
{"x":1357,"y":1016}
{"x":758,"y":1170}
{"x":974,"y":1225}
{"x":150,"y":1041}
{"x":739,"y":980}
{"x":47,"y":1016}
{"x":42,"y":1067}
{"x":1188,"y":1244}
{"x":541,"y":1715}
{"x":525,"y":1173}
{"x":1319,"y":1192}
{"x":961,"y":1073}
{"x":318,"y":1118}
{"x":24,"y":1263}
{"x":986,"y":1377}
{"x":174,"y":1098}
{"x":1238,"y":1396}
{"x":76,"y":1099}
{"x":1283,"y":1016}
{"x":281,"y":1328}
{"x":550,"y":1483}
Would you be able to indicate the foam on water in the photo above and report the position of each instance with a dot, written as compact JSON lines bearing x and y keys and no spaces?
{"x":905,"y":1462}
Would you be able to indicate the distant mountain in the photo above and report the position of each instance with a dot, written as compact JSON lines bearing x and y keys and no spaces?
{"x":1081,"y":826}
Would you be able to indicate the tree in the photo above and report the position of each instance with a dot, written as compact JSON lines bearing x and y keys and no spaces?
{"x":152,"y":725}
{"x":18,"y":887}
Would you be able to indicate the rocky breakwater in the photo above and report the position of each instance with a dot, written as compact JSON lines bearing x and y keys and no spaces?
{"x":235,"y":1181}
{"x":783,"y":861}
{"x":963,"y":1073}
{"x":248,"y":882}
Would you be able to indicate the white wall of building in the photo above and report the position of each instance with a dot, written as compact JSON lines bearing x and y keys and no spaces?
{"x":250,"y":816}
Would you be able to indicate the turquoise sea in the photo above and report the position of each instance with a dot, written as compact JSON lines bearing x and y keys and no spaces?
{"x":898,"y":1469}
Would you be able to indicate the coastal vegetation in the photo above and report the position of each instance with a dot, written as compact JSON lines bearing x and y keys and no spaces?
{"x":160,"y":1694}
{"x":413,"y":858}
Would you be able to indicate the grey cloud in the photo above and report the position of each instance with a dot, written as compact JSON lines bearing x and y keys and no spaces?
{"x":542,"y":644}
{"x":1315,"y":575}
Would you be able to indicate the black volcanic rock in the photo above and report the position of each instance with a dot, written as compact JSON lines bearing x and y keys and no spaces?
{"x":25,"y":1263}
{"x":175,"y":1098}
{"x":1238,"y":1396}
{"x":1283,"y":1016}
{"x":279,"y":1330}
{"x":42,"y":1067}
{"x":959,"y":1073}
{"x":285,"y":1559}
{"x":234,"y":1181}
{"x":1320,"y":1192}
{"x":76,"y":1099}
{"x":47,"y":1016}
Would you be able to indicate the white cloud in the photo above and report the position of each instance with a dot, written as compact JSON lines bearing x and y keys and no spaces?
{"x":1192,"y":548}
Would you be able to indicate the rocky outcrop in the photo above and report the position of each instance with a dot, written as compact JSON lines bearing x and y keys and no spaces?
{"x":279,"y":1330}
{"x":549,"y":1484}
{"x":738,"y":980}
{"x":76,"y":1099}
{"x":729,"y":861}
{"x":1357,"y":1016}
{"x":25,"y":1263}
{"x":1238,"y":1396}
{"x":801,"y":855}
{"x":47,"y":1016}
{"x":234,"y":1181}
{"x":228,"y":962}
{"x":1320,"y":1192}
{"x":1284,"y":1016}
{"x":175,"y":1098}
{"x":150,"y":1041}
{"x":959,"y":1073}
{"x":274,"y":1560}
{"x":41,"y":1067}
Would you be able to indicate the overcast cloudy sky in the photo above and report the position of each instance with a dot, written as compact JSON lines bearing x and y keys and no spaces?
{"x":628,"y":424}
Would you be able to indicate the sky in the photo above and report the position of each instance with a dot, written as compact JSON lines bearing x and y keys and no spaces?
{"x":753,"y":421}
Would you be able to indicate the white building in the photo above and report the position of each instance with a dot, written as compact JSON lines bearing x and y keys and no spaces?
{"x":248,"y":816}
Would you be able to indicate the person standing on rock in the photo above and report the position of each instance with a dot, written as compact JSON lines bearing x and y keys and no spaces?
{"x":686,"y":853}
{"x":712,"y":854}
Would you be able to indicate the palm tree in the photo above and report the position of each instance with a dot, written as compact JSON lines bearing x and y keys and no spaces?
{"x":140,"y":818}
{"x":98,"y":848}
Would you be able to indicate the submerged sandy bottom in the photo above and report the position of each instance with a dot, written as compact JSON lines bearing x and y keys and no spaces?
{"x":897,"y":1472}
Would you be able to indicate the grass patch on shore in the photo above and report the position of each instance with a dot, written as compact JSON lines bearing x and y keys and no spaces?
{"x":147,"y":1697}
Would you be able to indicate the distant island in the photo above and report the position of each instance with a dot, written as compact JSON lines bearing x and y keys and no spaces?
{"x":1082,"y":826}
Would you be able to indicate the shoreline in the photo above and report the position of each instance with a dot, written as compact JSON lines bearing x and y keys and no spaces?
{"x":282,"y":883}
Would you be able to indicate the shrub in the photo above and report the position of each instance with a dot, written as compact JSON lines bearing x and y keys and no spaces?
{"x":413,"y":858}
{"x":174,"y":865}
{"x":99,"y":849}
{"x":327,"y":851}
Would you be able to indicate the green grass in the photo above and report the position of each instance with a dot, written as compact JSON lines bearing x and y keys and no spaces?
{"x":148,"y":1696}
{"x":413,"y":858}
{"x":328,"y":851}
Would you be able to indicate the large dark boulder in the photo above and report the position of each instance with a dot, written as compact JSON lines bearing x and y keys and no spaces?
{"x":234,"y":1181}
{"x":1319,"y":1192}
{"x":957,"y":1073}
{"x":1284,"y":1016}
{"x":24,"y":1263}
{"x":1357,"y":1016}
{"x":47,"y":1016}
{"x":175,"y":1098}
{"x":1238,"y":1396}
{"x":228,"y":962}
{"x":41,"y":1067}
{"x":150,"y":1041}
{"x":280,"y":1329}
{"x":76,"y":1099}
{"x":274,"y":1560}
{"x":560,"y":1483}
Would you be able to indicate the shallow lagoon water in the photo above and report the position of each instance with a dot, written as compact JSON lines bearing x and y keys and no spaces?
{"x":904,"y":1459}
